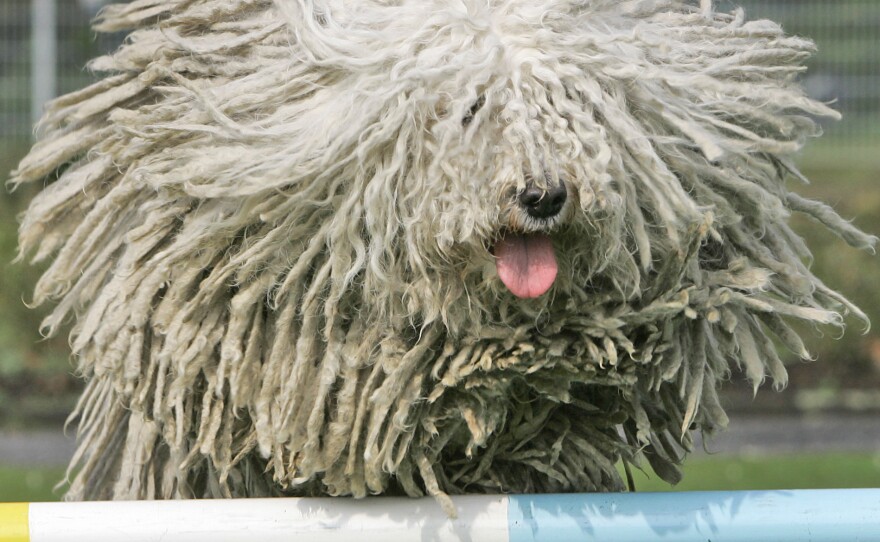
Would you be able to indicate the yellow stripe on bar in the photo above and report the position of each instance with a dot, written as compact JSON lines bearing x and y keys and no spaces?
{"x":14,"y":522}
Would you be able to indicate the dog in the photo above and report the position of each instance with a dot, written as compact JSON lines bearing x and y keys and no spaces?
{"x":314,"y":247}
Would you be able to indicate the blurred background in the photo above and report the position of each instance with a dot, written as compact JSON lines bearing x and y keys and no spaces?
{"x":823,"y":431}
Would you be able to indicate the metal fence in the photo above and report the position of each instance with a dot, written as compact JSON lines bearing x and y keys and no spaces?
{"x":847,"y":68}
{"x":44,"y":46}
{"x":34,"y":57}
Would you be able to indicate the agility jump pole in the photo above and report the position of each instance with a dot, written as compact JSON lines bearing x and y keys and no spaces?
{"x":780,"y":516}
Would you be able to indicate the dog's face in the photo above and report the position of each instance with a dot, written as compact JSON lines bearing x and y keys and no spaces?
{"x":476,"y":155}
{"x":507,"y":156}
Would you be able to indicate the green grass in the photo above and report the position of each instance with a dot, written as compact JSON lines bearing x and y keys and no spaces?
{"x":29,"y":484}
{"x":805,"y":471}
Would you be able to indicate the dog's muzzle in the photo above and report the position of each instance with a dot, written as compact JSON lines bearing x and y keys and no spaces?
{"x":543,"y":203}
{"x":526,"y":262}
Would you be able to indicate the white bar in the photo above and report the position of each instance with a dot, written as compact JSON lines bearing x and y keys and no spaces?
{"x":44,"y":55}
{"x":376,"y":519}
{"x":734,"y":516}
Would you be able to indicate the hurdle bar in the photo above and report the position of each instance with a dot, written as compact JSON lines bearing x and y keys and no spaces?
{"x":781,"y":516}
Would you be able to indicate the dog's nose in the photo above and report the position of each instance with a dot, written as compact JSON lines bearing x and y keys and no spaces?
{"x":540,"y":203}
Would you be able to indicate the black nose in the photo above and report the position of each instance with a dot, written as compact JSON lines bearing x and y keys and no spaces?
{"x":540,"y":203}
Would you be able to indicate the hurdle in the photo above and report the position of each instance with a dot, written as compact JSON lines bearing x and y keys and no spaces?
{"x":777,"y":515}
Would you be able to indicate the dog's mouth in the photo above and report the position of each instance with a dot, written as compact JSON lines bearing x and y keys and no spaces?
{"x":526,"y":263}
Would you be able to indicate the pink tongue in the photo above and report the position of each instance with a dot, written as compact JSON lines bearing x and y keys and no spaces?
{"x":526,"y":264}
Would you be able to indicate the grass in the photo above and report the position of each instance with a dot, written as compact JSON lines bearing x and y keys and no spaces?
{"x":804,"y":471}
{"x":29,"y":484}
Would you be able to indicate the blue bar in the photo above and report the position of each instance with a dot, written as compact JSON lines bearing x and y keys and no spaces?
{"x":851,"y":515}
